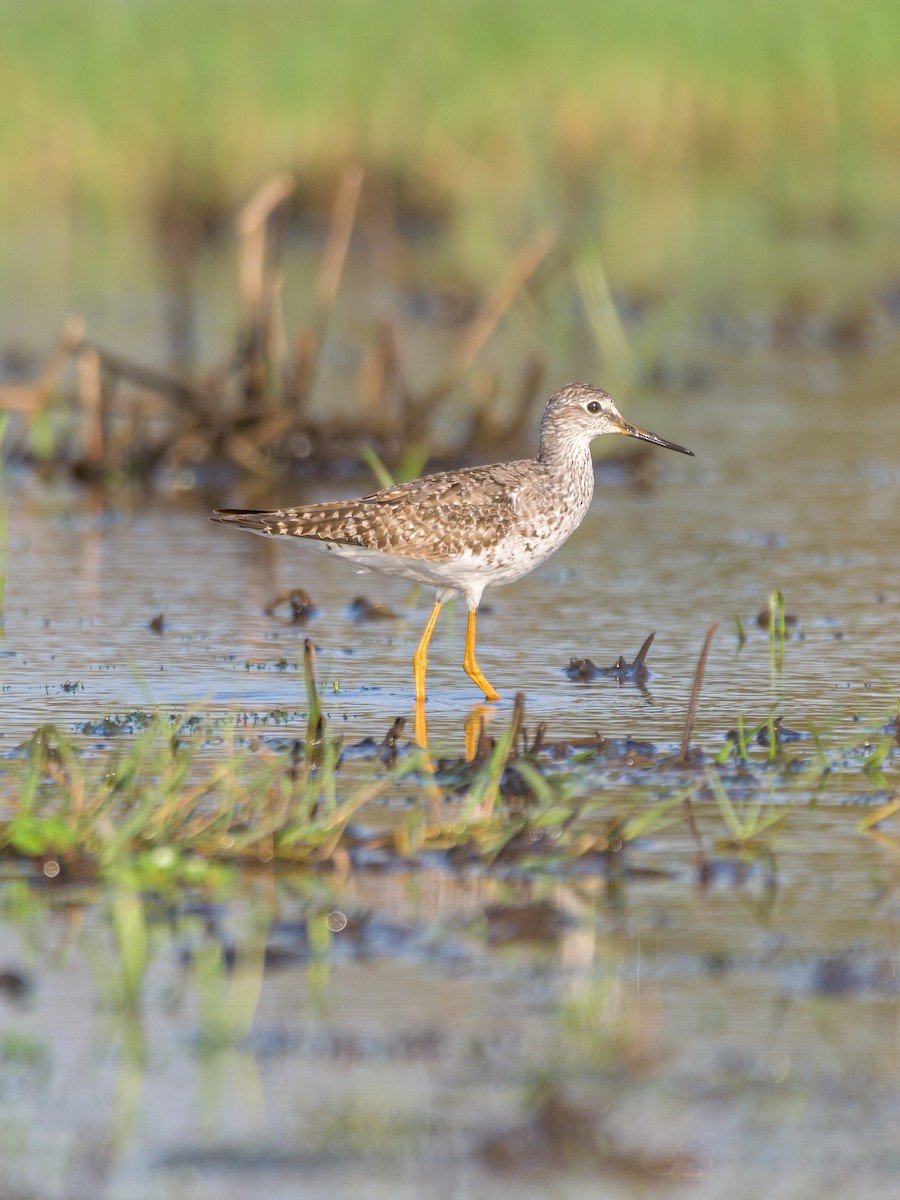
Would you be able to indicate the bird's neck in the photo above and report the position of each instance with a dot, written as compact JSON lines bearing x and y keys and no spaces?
{"x":565,"y":455}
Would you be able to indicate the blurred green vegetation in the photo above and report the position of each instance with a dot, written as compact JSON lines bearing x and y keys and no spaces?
{"x":108,"y":102}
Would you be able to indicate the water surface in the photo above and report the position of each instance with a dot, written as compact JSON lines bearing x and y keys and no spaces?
{"x":790,"y":491}
{"x":738,"y":1029}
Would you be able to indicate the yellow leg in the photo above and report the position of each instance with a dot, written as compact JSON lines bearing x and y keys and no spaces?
{"x":470,"y":666}
{"x":420,"y":726}
{"x":420,"y":658}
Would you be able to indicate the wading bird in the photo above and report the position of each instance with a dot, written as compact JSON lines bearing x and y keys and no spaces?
{"x":463,"y":531}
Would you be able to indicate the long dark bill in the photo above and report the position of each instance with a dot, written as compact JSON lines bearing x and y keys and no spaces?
{"x":632,"y":431}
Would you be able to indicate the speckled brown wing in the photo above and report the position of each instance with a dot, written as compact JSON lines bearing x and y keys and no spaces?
{"x":436,"y":518}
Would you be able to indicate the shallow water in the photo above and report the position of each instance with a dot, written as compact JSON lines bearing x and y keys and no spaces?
{"x":789,"y":491}
{"x":726,"y":1030}
{"x":743,"y":1034}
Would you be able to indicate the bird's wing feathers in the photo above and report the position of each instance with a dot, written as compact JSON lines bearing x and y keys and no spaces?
{"x":473,"y":485}
{"x":436,"y":518}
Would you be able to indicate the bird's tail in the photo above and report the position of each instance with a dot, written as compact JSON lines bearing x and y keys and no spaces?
{"x":256,"y":519}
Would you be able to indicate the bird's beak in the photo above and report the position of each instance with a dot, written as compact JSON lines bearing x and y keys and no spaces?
{"x":632,"y":431}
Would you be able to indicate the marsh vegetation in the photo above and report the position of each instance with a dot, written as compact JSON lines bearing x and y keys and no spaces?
{"x":637,"y":923}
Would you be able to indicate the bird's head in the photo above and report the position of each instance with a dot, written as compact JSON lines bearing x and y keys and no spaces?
{"x":581,"y":412}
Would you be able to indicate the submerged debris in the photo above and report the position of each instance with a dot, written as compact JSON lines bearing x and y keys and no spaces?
{"x":582,"y":670}
{"x":842,"y":976}
{"x":562,"y":1133}
{"x":765,"y":733}
{"x":295,"y":607}
{"x":361,"y":610}
{"x":15,"y":985}
{"x":537,"y":922}
{"x":782,"y":734}
{"x":389,"y":747}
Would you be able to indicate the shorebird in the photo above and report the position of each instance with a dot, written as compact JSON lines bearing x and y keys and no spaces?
{"x":462,"y":531}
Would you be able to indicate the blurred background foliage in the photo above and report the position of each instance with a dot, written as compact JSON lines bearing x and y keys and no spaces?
{"x":503,"y":193}
{"x":508,"y":106}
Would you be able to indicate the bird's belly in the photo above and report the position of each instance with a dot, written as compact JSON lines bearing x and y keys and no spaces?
{"x":515,"y":558}
{"x":419,"y":570}
{"x":508,"y":560}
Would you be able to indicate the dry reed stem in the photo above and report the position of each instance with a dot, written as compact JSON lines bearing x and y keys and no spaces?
{"x":251,"y":224}
{"x":258,"y":282}
{"x":151,"y":379}
{"x":507,"y":751}
{"x":15,"y":398}
{"x":380,"y":379}
{"x":491,"y":312}
{"x":314,"y":716}
{"x":309,"y":342}
{"x":695,"y":693}
{"x":299,"y":380}
{"x":486,"y":428}
{"x":485,"y":387}
{"x":529,"y":386}
{"x":69,"y":343}
{"x":276,"y":344}
{"x":245,"y":453}
{"x":334,"y":256}
{"x":33,"y":398}
{"x":91,"y":401}
{"x":488,"y":318}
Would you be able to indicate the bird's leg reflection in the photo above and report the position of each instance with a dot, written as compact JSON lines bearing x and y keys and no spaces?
{"x":420,"y":732}
{"x":474,"y":730}
{"x":475,"y":725}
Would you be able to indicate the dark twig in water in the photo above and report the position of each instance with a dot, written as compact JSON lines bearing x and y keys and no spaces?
{"x":314,"y":717}
{"x":583,"y":669}
{"x":540,"y":735}
{"x":388,"y":748}
{"x":638,"y":664}
{"x":695,"y":694}
{"x":517,"y":720}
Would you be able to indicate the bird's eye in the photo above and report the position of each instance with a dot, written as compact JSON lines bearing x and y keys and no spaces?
{"x":593,"y":406}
